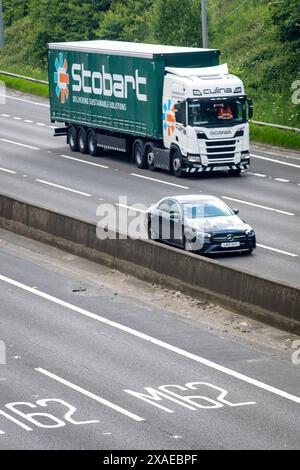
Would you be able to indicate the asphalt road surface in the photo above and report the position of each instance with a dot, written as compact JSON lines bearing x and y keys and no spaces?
{"x":88,"y":367}
{"x":40,"y":168}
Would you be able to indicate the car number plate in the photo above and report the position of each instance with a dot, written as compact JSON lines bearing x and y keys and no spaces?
{"x":230,"y":244}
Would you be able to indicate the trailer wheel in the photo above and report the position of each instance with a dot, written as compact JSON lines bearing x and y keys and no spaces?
{"x":139,"y":154}
{"x":72,"y":138}
{"x":82,"y":140}
{"x":149,"y":155}
{"x":177,"y":164}
{"x":92,"y":143}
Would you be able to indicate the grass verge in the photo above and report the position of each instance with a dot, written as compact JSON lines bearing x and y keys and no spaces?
{"x":25,"y":86}
{"x":273,"y":136}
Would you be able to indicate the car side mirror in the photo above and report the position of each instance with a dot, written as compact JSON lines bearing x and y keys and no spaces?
{"x":174,"y":216}
{"x":236,"y":211}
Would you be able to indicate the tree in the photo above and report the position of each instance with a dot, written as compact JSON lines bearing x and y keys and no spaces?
{"x":180,"y":29}
{"x":14,"y":10}
{"x":286,"y":16}
{"x":58,"y":21}
{"x":126,"y":20}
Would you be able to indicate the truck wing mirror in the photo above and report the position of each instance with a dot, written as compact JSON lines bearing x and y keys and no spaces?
{"x":178,"y":115}
{"x":250,"y":108}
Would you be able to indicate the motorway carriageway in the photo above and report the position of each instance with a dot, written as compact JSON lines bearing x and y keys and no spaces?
{"x":89,"y":367}
{"x":39,"y":168}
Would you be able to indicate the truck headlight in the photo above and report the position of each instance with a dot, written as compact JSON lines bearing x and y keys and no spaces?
{"x":193,"y":158}
{"x":245,"y":155}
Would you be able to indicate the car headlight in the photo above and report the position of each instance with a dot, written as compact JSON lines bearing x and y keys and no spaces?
{"x":203,"y":235}
{"x":250,"y":232}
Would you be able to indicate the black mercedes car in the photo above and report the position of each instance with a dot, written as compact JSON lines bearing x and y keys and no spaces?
{"x":200,"y":224}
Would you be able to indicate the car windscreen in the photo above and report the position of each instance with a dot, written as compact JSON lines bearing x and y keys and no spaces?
{"x":206,"y":209}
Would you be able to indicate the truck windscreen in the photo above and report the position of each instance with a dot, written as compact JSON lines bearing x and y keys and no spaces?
{"x":216,"y":111}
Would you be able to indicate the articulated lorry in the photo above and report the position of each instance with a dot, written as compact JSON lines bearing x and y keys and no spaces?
{"x":173,"y":108}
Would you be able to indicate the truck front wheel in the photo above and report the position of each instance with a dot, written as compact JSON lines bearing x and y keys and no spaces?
{"x":235,"y":172}
{"x":72,"y":139}
{"x":139,"y":154}
{"x":177,"y":164}
{"x":82,"y":140}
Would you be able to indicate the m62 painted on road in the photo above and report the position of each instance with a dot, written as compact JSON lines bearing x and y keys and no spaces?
{"x":174,"y":108}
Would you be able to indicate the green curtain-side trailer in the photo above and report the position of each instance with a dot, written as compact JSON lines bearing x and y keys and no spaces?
{"x":115,"y":86}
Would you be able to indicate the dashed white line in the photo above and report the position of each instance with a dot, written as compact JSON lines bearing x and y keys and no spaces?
{"x":65,"y":188}
{"x":154,"y":341}
{"x":277,"y":250}
{"x":25,"y":101}
{"x":19,"y":144}
{"x":6,"y":115}
{"x":28,"y":121}
{"x":159,"y":181}
{"x":83,"y":161}
{"x":257,"y":205}
{"x":282,"y":180}
{"x":17,"y":118}
{"x":89,"y":394}
{"x":8,"y":171}
{"x":275,"y":161}
{"x":131,"y":207}
{"x":260,"y":175}
{"x":41,"y":124}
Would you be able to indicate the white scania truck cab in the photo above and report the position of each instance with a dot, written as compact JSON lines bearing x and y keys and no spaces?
{"x":205,"y":120}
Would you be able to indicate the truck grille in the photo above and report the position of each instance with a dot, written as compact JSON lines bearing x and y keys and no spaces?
{"x":220,"y":149}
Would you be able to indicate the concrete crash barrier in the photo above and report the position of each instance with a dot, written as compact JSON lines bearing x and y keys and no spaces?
{"x":272,"y":302}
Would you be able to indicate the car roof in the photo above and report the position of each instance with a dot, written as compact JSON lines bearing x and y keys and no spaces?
{"x":193,"y":198}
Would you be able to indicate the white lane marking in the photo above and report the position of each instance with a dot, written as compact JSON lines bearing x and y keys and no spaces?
{"x":17,"y":118}
{"x":130,"y":207}
{"x":277,"y":251}
{"x":28,"y":121}
{"x":6,"y":115}
{"x":257,"y":205}
{"x":90,"y":394}
{"x":152,"y":340}
{"x":25,"y":101}
{"x":8,"y":171}
{"x":260,"y":175}
{"x":275,"y":161}
{"x":159,"y":181}
{"x":19,"y":144}
{"x":65,"y":188}
{"x":282,"y":180}
{"x":84,"y":161}
{"x":41,"y":124}
{"x":15,"y":420}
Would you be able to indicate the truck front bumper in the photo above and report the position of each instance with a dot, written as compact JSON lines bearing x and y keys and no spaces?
{"x":190,"y":167}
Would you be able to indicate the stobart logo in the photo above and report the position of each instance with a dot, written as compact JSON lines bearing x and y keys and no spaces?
{"x":61,"y":78}
{"x":106,"y":84}
{"x":169,"y":117}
